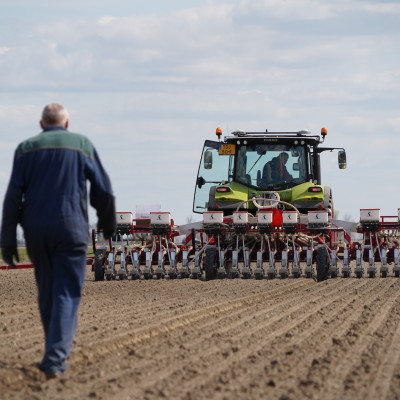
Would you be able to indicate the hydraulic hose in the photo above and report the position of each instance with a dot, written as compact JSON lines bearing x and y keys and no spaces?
{"x":275,"y":201}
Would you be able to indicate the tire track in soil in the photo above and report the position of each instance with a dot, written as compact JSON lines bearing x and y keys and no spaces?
{"x":228,"y":322}
{"x":36,"y":334}
{"x":151,"y":311}
{"x":217,"y":349}
{"x":168,"y":325}
{"x":384,"y":374}
{"x":327,"y":373}
{"x":113,"y":344}
{"x":315,"y":339}
{"x":224,"y":364}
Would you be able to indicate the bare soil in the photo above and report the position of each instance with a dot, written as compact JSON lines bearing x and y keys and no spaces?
{"x":224,"y":339}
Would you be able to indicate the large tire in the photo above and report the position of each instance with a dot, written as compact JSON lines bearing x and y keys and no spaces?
{"x":209,"y":266}
{"x":322,"y":264}
{"x":99,"y":258}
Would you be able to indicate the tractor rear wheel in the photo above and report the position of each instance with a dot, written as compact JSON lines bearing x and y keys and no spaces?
{"x":322,"y":264}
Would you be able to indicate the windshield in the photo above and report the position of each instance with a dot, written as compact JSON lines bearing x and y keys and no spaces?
{"x":214,"y":169}
{"x":266,"y":166}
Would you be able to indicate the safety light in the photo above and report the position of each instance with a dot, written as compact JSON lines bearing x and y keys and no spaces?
{"x":211,"y":241}
{"x":223,"y":189}
{"x":324,"y":132}
{"x":315,"y":189}
{"x":218,"y":132}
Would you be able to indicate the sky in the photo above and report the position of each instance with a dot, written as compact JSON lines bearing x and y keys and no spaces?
{"x":149,"y":81}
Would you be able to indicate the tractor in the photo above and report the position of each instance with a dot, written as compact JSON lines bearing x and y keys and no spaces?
{"x":270,"y":165}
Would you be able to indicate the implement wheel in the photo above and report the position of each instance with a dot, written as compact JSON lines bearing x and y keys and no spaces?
{"x":99,"y":258}
{"x":322,"y":264}
{"x":209,"y":266}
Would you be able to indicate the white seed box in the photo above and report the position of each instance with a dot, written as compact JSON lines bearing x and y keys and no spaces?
{"x":264,"y":217}
{"x":289,"y":217}
{"x":318,"y":217}
{"x":240,"y":217}
{"x":213,"y":217}
{"x":160,"y":218}
{"x":124,"y":218}
{"x":369,"y":215}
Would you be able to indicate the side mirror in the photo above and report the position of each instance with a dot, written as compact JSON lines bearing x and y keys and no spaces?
{"x":200,"y":182}
{"x":295,"y":166}
{"x":208,"y":159}
{"x":342,"y":159}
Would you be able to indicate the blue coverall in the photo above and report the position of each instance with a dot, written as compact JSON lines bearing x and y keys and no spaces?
{"x":47,"y":194}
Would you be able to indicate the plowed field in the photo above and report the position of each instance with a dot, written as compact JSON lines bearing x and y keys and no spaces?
{"x":224,"y":339}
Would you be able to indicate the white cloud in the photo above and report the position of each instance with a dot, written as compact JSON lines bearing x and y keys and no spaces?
{"x":291,"y":9}
{"x":107,"y":20}
{"x":4,"y":50}
{"x":382,"y":7}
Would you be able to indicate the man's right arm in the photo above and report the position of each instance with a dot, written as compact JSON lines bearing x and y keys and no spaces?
{"x":12,"y":209}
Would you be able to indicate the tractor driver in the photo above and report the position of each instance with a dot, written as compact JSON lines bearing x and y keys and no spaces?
{"x":275,"y":171}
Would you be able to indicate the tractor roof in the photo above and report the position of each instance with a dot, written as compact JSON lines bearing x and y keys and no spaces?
{"x":266,"y":136}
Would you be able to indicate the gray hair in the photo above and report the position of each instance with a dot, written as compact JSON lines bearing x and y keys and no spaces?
{"x":54,"y":114}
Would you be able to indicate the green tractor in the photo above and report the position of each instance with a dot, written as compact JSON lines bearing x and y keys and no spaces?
{"x":266,"y":165}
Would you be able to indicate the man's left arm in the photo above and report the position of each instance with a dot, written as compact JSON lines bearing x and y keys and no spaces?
{"x":286,"y":174}
{"x":101,"y":197}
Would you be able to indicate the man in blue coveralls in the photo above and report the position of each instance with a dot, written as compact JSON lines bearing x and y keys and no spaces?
{"x":47,"y":195}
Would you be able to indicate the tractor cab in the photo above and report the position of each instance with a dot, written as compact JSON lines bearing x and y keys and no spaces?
{"x":252,"y":164}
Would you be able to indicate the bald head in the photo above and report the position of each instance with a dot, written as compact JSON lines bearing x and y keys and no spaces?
{"x":54,"y":114}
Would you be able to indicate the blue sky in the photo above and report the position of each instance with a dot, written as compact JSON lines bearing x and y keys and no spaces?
{"x":149,"y":81}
